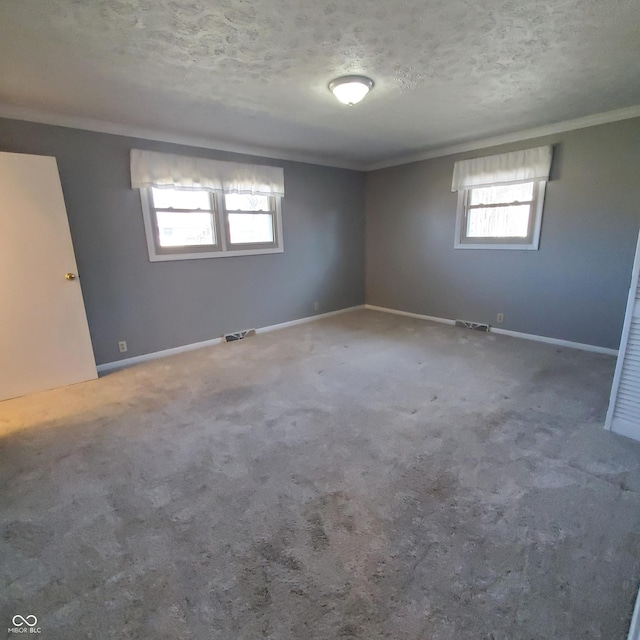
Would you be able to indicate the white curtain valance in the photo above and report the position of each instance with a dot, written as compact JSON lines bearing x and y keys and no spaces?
{"x":151,"y":169}
{"x":503,"y":168}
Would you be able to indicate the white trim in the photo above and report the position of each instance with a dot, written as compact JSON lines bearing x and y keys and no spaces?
{"x":515,"y":334}
{"x":132,"y":131}
{"x":462,"y":197}
{"x":622,"y":427}
{"x":126,"y":362}
{"x":626,"y":328}
{"x":517,"y":136}
{"x":557,"y":341}
{"x":634,"y":628}
{"x":293,"y":323}
{"x":118,"y":364}
{"x":535,"y":210}
{"x":219,"y":213}
{"x":408,"y":314}
{"x":102,"y":126}
{"x":507,"y":246}
{"x":213,"y":254}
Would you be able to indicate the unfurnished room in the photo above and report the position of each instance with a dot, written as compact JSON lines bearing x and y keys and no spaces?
{"x":320,"y":320}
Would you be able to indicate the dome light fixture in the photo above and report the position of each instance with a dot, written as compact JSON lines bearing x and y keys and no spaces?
{"x":350,"y":89}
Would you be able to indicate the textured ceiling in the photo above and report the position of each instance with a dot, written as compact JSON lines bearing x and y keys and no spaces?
{"x":255,"y":72}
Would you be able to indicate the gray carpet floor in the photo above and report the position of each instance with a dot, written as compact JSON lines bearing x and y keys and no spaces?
{"x":364,"y":476}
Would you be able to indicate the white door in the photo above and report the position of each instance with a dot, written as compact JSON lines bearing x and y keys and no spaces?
{"x":44,"y":337}
{"x":624,"y":408}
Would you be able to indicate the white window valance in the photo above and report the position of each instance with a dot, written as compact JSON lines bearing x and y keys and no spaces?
{"x":152,"y":169}
{"x":503,"y":168}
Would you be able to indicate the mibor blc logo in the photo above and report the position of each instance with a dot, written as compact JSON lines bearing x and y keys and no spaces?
{"x":24,"y":624}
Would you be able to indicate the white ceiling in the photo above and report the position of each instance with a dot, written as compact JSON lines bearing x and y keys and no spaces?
{"x":255,"y":72}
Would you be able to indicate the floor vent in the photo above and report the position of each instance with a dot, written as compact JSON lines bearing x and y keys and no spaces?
{"x":476,"y":326}
{"x":239,"y":335}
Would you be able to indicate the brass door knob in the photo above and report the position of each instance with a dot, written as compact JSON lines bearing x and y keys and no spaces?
{"x":70,"y":276}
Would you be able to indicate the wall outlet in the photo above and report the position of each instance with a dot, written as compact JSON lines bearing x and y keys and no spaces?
{"x":500,"y":318}
{"x":316,"y":306}
{"x":122,"y":346}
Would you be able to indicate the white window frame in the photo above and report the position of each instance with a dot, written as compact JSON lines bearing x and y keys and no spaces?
{"x":530,"y":243}
{"x":223,"y":248}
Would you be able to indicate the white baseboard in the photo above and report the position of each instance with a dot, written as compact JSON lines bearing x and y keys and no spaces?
{"x":506,"y":332}
{"x":293,"y":323}
{"x":409,"y":314}
{"x":127,"y":362}
{"x":557,"y":341}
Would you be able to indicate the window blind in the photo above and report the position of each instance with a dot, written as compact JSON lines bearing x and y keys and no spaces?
{"x":152,"y":169}
{"x":503,"y":168}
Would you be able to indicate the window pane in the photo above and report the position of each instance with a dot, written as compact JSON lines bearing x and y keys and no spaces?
{"x":246,"y":202}
{"x":500,"y":222}
{"x":248,"y":228}
{"x":178,"y":229}
{"x":503,"y":193}
{"x":175,"y":199}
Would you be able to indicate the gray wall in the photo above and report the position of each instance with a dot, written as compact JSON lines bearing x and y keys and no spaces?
{"x":160,"y":305}
{"x":575,"y":287}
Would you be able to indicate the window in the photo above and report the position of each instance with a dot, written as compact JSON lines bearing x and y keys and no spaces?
{"x":498,"y":207}
{"x":250,"y":220}
{"x":192,"y":207}
{"x":183,"y":225}
{"x":182,"y":221}
{"x":501,"y":216}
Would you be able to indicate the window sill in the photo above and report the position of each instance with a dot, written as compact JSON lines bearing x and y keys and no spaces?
{"x":217,"y":254}
{"x":511,"y":247}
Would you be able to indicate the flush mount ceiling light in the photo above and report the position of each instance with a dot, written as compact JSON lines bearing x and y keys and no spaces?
{"x":351,"y":89}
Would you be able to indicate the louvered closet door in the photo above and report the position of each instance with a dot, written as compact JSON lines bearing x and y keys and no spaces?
{"x":624,"y":409}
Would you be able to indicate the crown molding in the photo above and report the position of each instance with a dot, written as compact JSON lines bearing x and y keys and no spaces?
{"x":102,"y":126}
{"x":130,"y":131}
{"x":537,"y":132}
